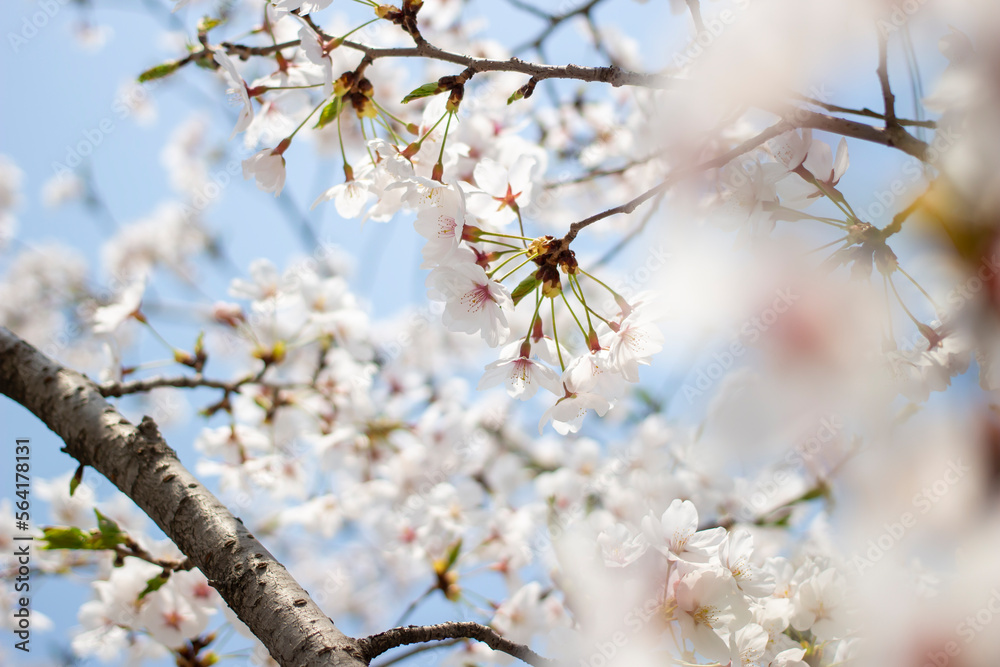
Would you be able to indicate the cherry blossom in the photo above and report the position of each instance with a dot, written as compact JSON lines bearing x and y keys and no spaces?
{"x":676,"y":534}
{"x":473,"y":302}
{"x":240,"y":89}
{"x":268,"y":169}
{"x":521,"y":375}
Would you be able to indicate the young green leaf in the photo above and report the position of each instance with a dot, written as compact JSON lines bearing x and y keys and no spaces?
{"x":425,"y":90}
{"x":330,"y":112}
{"x":64,"y":537}
{"x":159,"y":71}
{"x":525,"y":287}
{"x":154,"y":584}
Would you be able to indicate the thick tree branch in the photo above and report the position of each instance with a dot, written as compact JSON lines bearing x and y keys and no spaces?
{"x":376,"y":645}
{"x":893,"y":135}
{"x":137,"y":460}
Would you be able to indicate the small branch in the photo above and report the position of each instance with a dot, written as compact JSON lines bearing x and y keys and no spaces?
{"x":883,"y":78}
{"x":132,"y":548}
{"x":868,"y":113}
{"x":117,"y":389}
{"x":695,"y":8}
{"x":600,"y":173}
{"x":778,"y":128}
{"x":615,"y":76}
{"x":555,"y":20}
{"x":375,"y":645}
{"x":405,"y":655}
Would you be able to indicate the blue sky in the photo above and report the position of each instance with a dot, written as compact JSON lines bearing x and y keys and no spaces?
{"x":59,"y":96}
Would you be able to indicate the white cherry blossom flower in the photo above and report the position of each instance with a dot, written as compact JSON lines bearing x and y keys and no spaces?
{"x":108,"y":318}
{"x":568,"y":412}
{"x":503,"y":191}
{"x":709,"y":609}
{"x":676,"y":534}
{"x":268,"y":169}
{"x":473,"y":302}
{"x":521,"y":375}
{"x":734,"y":555}
{"x":820,"y":605}
{"x":747,"y":646}
{"x":240,"y":89}
{"x":441,"y":217}
{"x":620,"y":547}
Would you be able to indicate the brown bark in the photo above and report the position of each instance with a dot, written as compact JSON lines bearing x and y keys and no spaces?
{"x":138,"y":461}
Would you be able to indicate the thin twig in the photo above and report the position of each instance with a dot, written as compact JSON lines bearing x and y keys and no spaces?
{"x":883,"y":78}
{"x":376,"y":645}
{"x":695,"y":8}
{"x":748,"y":145}
{"x":615,"y":76}
{"x":868,"y":113}
{"x":420,"y":649}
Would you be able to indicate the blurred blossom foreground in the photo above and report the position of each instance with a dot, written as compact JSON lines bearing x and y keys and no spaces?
{"x":640,"y":333}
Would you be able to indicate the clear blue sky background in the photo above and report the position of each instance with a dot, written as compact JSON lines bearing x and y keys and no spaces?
{"x":55,"y":92}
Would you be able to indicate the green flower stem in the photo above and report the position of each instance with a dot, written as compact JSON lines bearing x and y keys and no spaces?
{"x":555,"y":336}
{"x":566,"y":301}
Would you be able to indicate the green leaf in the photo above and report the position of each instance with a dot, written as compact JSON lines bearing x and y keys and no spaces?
{"x":330,"y":112}
{"x":64,"y":537}
{"x":109,"y":534}
{"x":152,"y":585}
{"x":525,"y":287}
{"x":75,"y":482}
{"x":207,"y":23}
{"x":453,"y":554}
{"x":515,"y":96}
{"x":425,"y":90}
{"x":159,"y":71}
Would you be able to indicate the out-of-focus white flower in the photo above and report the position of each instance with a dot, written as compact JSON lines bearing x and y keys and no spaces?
{"x":64,"y":187}
{"x":268,"y":169}
{"x":620,"y":547}
{"x":819,"y":605}
{"x":240,"y":89}
{"x":108,"y":318}
{"x":10,"y":197}
{"x":522,"y":616}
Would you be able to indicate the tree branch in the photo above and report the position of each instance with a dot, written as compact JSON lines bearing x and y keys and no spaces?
{"x":778,"y":128}
{"x":613,"y":75}
{"x":138,"y":461}
{"x":376,"y":645}
{"x":883,"y":79}
{"x":868,"y":113}
{"x":695,"y":7}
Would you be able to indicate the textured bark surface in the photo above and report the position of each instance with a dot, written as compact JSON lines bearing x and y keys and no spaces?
{"x":138,"y":461}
